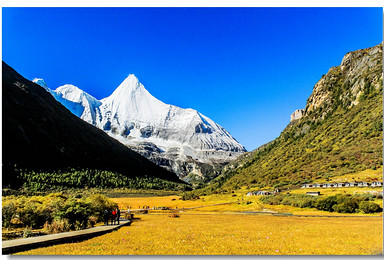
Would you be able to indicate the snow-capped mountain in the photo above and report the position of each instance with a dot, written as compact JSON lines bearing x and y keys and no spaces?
{"x":176,"y":138}
{"x":42,"y":83}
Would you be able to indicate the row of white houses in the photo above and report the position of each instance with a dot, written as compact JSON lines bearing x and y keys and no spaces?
{"x":263,"y":192}
{"x":343,"y":184}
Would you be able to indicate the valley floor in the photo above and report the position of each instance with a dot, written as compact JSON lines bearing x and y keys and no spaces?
{"x":228,"y":234}
{"x":221,"y":230}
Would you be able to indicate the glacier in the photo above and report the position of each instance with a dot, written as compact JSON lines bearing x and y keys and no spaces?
{"x":181,"y":140}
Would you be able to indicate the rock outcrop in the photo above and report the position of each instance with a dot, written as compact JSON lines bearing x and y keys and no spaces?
{"x":358,"y":74}
{"x":297,"y":114}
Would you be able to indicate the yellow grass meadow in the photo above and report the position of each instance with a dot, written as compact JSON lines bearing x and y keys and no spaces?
{"x":175,"y":202}
{"x":367,"y":175}
{"x":241,"y":203}
{"x":233,"y":234}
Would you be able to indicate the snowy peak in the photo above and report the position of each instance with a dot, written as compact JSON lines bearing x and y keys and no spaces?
{"x":128,"y":87}
{"x":131,"y":101}
{"x":76,"y":95}
{"x":170,"y":136}
{"x":77,"y":101}
{"x":71,"y":93}
{"x":40,"y":82}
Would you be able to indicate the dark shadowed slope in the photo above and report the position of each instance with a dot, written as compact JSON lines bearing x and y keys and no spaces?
{"x":41,"y":134}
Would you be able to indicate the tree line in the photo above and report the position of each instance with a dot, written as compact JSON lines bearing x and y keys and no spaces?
{"x":341,"y":203}
{"x":35,"y":181}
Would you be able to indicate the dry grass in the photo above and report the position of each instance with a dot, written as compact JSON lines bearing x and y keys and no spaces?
{"x":207,"y":231}
{"x":235,"y":234}
{"x":174,"y":201}
{"x":368,"y":175}
{"x":243,"y":203}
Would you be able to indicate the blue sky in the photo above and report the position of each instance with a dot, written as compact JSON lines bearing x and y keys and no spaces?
{"x":247,"y":69}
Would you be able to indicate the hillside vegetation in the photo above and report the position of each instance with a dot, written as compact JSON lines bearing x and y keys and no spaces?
{"x":55,"y":212}
{"x":340,"y":132}
{"x":34,"y":182}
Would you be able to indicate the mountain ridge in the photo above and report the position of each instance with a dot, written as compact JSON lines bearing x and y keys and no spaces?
{"x":178,"y":139}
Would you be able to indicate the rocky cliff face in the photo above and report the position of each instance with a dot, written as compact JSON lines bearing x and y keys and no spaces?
{"x":358,"y":74}
{"x":297,"y":114}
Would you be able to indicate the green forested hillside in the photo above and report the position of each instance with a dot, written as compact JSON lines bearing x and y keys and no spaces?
{"x":32,"y":181}
{"x":340,"y":132}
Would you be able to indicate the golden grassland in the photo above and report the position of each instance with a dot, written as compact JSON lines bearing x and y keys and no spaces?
{"x":236,"y":234}
{"x":175,"y":201}
{"x":205,"y":204}
{"x":368,"y":175}
{"x":241,"y":202}
{"x":205,"y":228}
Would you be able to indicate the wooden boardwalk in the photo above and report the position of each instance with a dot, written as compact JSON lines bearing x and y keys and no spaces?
{"x":17,"y":245}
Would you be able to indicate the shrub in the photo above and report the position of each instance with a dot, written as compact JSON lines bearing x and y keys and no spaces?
{"x":55,"y":212}
{"x":307,"y":203}
{"x":347,"y":207}
{"x":77,"y":213}
{"x":286,"y":201}
{"x":190,"y":196}
{"x":57,"y":226}
{"x":92,"y":221}
{"x":8,"y":212}
{"x":100,"y":203}
{"x":327,"y":203}
{"x":33,"y":213}
{"x":369,"y":207}
{"x":342,"y":203}
{"x":367,"y":197}
{"x":347,"y":203}
{"x":27,"y":232}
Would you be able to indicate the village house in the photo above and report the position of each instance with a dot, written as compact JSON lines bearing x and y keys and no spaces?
{"x":377,"y":184}
{"x":313,"y":193}
{"x":263,"y":192}
{"x":343,"y":184}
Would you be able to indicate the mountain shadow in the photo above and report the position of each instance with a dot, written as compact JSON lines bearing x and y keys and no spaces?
{"x":41,"y":134}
